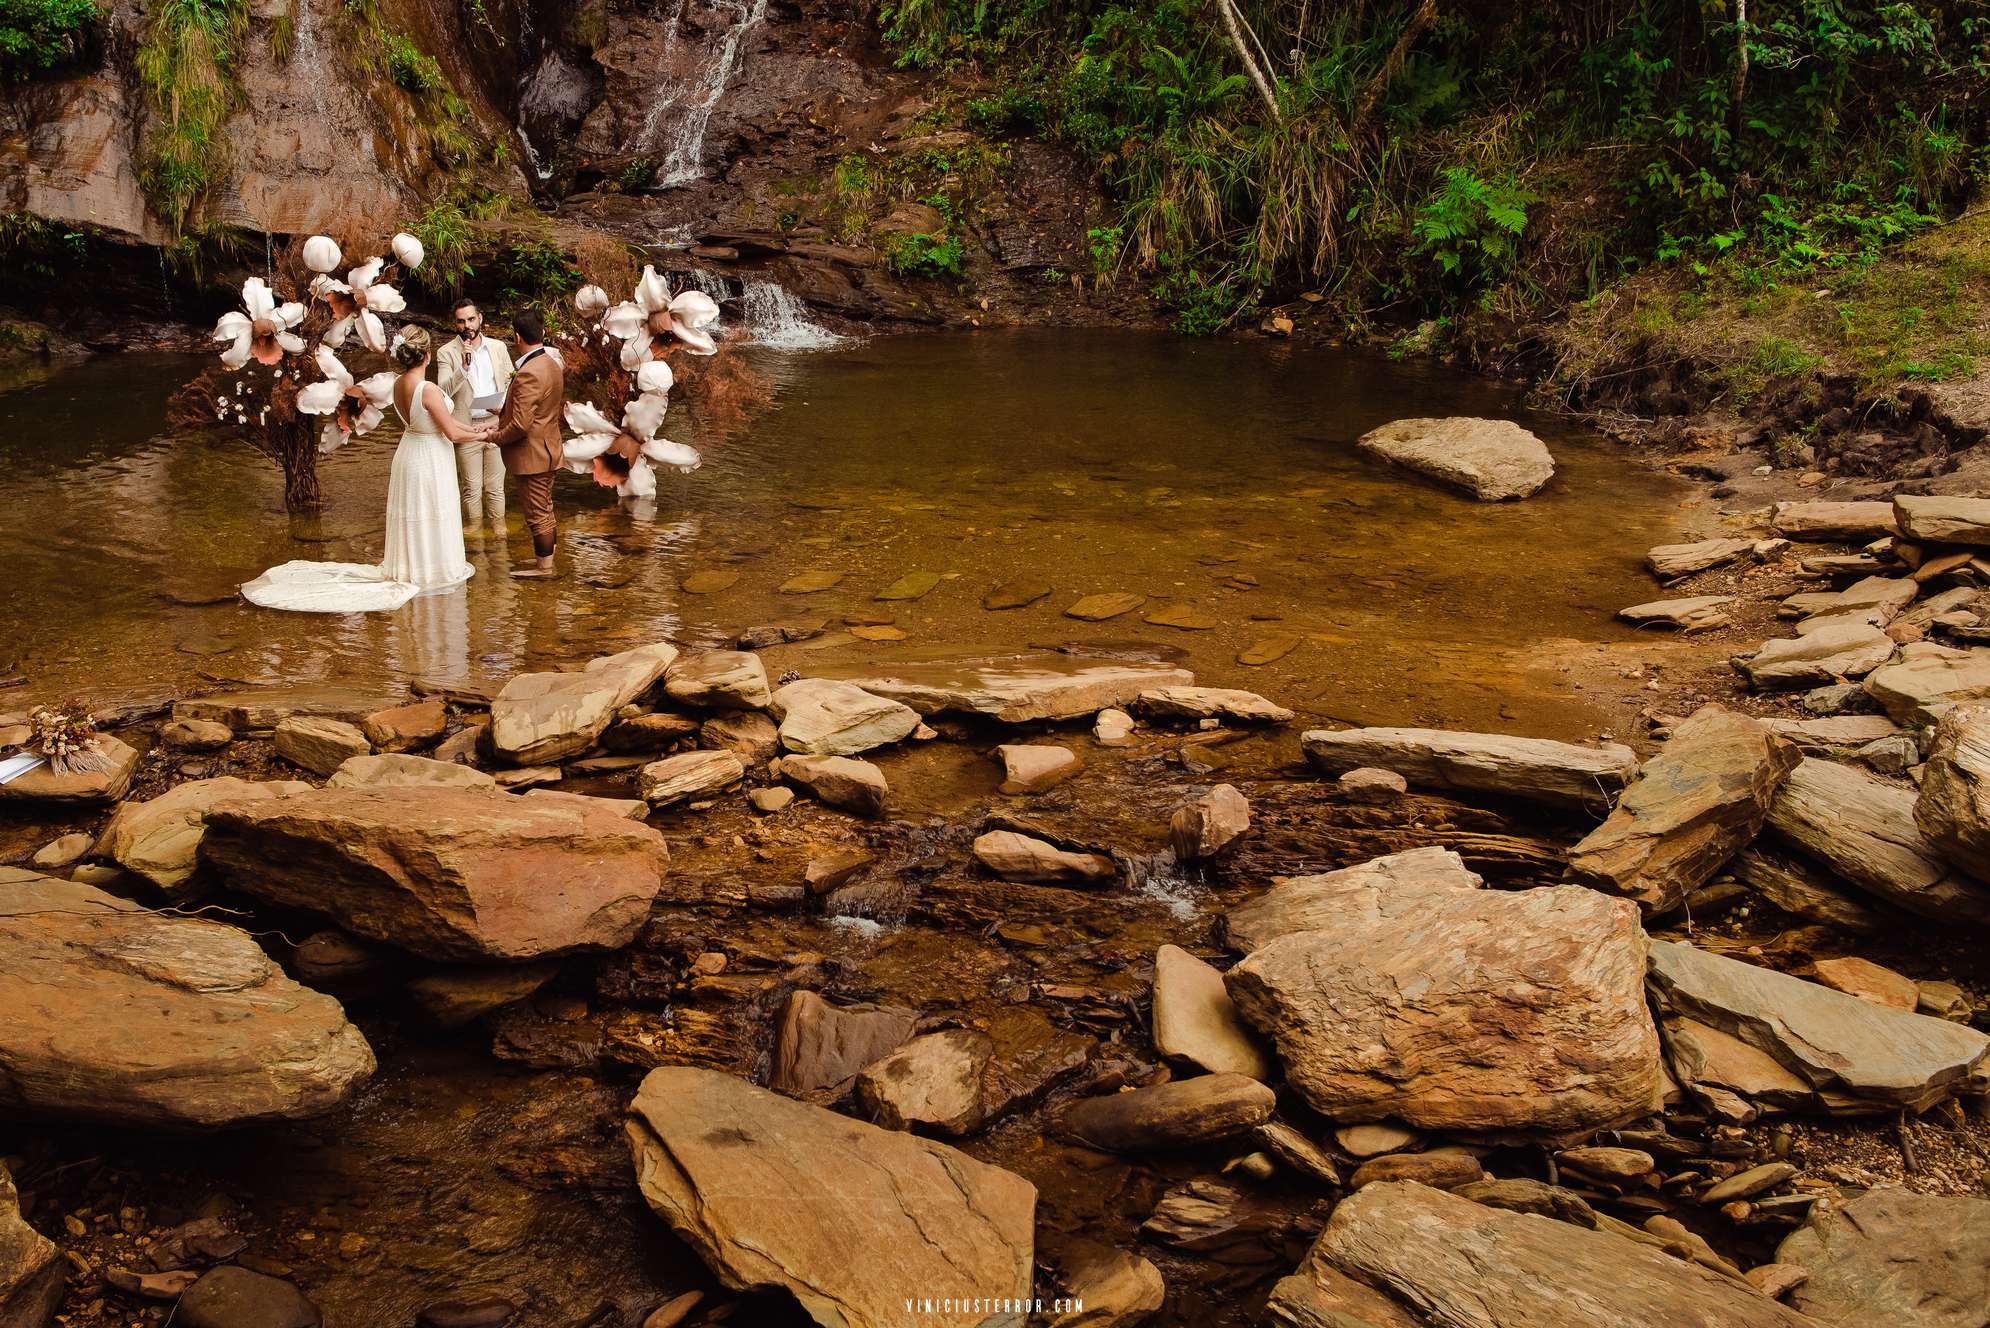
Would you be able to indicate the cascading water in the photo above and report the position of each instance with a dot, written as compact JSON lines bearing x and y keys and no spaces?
{"x":774,"y":317}
{"x":675,"y":128}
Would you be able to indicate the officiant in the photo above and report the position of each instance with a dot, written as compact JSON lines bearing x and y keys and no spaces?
{"x":474,"y":371}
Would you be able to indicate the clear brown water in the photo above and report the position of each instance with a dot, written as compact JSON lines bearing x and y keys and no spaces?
{"x":1093,"y":461}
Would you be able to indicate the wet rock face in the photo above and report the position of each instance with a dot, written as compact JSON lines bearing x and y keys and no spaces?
{"x":1450,"y":1007}
{"x":555,"y":98}
{"x":862,"y":1214}
{"x":160,"y":839}
{"x":820,"y":1044}
{"x":1894,"y":1257}
{"x":1401,"y":1255}
{"x":448,"y":874}
{"x":134,"y":1018}
{"x":541,"y":717}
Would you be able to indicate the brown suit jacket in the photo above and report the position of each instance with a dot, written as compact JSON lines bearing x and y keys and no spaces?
{"x":528,"y":432}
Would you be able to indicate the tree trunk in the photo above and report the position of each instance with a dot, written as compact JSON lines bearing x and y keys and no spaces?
{"x":1234,"y":25}
{"x":300,"y":469}
{"x":1420,"y":22}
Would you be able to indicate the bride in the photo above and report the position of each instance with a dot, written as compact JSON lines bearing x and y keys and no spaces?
{"x":424,"y":514}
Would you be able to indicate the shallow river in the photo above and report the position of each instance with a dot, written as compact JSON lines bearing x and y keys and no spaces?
{"x":1219,"y":477}
{"x":1222,"y":477}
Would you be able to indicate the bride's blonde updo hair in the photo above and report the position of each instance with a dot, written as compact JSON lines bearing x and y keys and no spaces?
{"x":411,"y":346}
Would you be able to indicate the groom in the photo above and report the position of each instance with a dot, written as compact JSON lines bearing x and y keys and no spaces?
{"x":528,"y":433}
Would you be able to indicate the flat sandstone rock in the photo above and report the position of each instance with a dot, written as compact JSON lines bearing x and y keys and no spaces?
{"x":1493,"y":460}
{"x":846,"y":1217}
{"x":1537,"y":769}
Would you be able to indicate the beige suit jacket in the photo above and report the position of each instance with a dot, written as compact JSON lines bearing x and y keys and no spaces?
{"x":455,"y":382}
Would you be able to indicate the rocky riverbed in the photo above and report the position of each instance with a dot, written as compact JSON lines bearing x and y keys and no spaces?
{"x":688,"y":986}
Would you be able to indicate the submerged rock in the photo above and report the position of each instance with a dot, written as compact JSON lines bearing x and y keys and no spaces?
{"x":160,"y":839}
{"x":1493,"y":460}
{"x":1558,"y":773}
{"x":1865,"y":831}
{"x":1446,"y":1006}
{"x":1887,"y":1059}
{"x":232,"y":1297}
{"x":1196,"y":1022}
{"x":542,"y":717}
{"x":826,"y":717}
{"x":458,"y":996}
{"x":1401,"y":1255}
{"x":848,"y":1218}
{"x":1700,"y":800}
{"x":448,"y":874}
{"x":136,"y":1018}
{"x":1896,"y":1258}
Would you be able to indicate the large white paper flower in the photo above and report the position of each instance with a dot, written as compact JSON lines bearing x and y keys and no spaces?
{"x":321,"y":253}
{"x":355,"y":406}
{"x":654,"y":378}
{"x":640,"y":421}
{"x":407,"y":251}
{"x":656,"y":313}
{"x":357,"y":303}
{"x":263,"y":331}
{"x":590,"y":299}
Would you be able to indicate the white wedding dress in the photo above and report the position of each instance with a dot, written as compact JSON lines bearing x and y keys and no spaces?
{"x":424,"y":538}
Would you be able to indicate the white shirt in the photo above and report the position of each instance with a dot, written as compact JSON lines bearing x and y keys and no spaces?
{"x":483,"y":379}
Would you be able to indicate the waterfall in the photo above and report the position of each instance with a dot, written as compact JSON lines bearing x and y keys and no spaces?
{"x":681,"y":144}
{"x":773,"y":317}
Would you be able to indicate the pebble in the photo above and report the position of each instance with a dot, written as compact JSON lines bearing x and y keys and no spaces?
{"x":64,"y":852}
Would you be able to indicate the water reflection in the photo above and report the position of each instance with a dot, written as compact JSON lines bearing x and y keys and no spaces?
{"x":1217,"y":476}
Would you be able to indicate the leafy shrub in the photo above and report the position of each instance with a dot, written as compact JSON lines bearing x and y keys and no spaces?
{"x":535,"y":271}
{"x":41,"y":34}
{"x":638,"y":175}
{"x":187,"y":63}
{"x":1472,"y":227}
{"x":917,"y":254}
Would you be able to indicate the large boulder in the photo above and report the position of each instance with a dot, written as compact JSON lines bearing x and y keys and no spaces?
{"x":1896,"y":1258}
{"x":1558,"y":773}
{"x":83,"y":787}
{"x":31,"y":1268}
{"x":854,"y":1221}
{"x":1846,"y":649}
{"x":1953,"y":806}
{"x":1693,"y":806}
{"x":1021,"y":688}
{"x":825,"y":717}
{"x":127,"y":1016}
{"x":1855,"y":1049}
{"x":159,"y":839}
{"x":448,"y":874}
{"x":1943,"y":520}
{"x":542,"y":717}
{"x":1379,"y":887}
{"x":1493,"y":460}
{"x":1403,"y":1255}
{"x":1865,"y":831}
{"x":1451,"y":1007}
